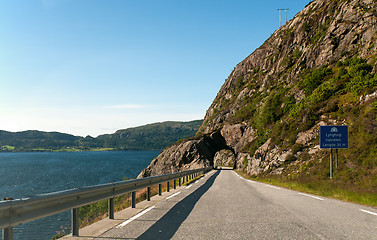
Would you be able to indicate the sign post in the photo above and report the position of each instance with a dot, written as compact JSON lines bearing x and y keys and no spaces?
{"x":333,"y":137}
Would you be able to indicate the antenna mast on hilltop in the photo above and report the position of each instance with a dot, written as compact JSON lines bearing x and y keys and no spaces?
{"x":285,"y":10}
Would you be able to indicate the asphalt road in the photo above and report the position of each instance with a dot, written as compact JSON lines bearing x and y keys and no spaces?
{"x":223,"y":205}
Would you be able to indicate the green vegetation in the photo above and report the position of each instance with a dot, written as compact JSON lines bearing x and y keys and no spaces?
{"x":331,"y":189}
{"x":7,"y":148}
{"x":192,"y":180}
{"x":149,"y":137}
{"x":331,"y":92}
{"x":321,"y":32}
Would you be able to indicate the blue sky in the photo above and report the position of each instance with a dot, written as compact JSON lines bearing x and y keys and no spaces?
{"x":89,"y":67}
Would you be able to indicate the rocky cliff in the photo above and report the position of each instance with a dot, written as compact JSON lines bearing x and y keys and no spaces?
{"x":318,"y":69}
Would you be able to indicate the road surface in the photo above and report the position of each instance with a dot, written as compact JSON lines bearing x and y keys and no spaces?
{"x":223,"y":205}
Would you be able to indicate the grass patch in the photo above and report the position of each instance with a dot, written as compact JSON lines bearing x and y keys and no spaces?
{"x":325,"y":188}
{"x":192,"y":180}
{"x":7,"y":148}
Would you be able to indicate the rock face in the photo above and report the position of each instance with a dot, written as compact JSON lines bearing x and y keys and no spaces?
{"x":224,"y":158}
{"x":190,"y":154}
{"x":266,"y":159}
{"x":260,"y":97}
{"x":238,"y":135}
{"x":325,"y":31}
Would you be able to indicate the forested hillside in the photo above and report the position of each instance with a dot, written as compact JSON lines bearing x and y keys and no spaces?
{"x":155,"y":136}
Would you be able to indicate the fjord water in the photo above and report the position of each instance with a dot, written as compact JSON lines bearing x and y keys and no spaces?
{"x":27,"y":174}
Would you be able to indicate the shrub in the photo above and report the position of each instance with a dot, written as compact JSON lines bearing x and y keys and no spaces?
{"x":313,"y":80}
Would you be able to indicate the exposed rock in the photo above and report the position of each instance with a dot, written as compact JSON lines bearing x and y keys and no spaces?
{"x":266,"y":159}
{"x":340,"y":29}
{"x":187,"y":155}
{"x":242,"y":160}
{"x":224,"y":158}
{"x":238,"y":135}
{"x":313,"y":150}
{"x":368,"y":97}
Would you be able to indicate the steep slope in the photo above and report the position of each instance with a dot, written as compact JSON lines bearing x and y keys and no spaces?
{"x":322,"y":34}
{"x":318,"y":69}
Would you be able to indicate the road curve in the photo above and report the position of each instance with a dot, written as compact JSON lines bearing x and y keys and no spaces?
{"x":224,"y":205}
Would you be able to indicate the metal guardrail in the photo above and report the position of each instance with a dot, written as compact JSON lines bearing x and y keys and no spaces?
{"x":19,"y":211}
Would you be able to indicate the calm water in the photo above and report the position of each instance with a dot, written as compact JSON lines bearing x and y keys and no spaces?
{"x":28,"y":174}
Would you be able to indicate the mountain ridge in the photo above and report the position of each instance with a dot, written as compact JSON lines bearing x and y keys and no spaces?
{"x":155,"y":136}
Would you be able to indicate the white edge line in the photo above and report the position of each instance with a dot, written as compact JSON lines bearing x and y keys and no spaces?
{"x":366,"y":211}
{"x":318,"y":198}
{"x":272,"y":186}
{"x":188,"y":186}
{"x":134,"y":217}
{"x":175,"y":194}
{"x":253,"y":181}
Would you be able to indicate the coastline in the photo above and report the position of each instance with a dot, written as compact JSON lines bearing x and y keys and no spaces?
{"x":74,"y":150}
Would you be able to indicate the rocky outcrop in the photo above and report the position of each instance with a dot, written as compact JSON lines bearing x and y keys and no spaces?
{"x":238,"y":135}
{"x":237,"y":126}
{"x":325,"y":31}
{"x":185,"y":155}
{"x":224,"y":158}
{"x":266,"y":159}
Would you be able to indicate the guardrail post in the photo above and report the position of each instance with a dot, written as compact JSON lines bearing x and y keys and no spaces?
{"x":159,"y":189}
{"x":133,"y":200}
{"x":174,"y":183}
{"x":167,"y":186}
{"x":148,"y":193}
{"x":179,"y":181}
{"x":111,"y":208}
{"x":8,"y":233}
{"x":75,"y":222}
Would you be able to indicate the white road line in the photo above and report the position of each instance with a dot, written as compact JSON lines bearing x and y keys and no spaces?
{"x":134,"y":217}
{"x":175,"y":194}
{"x":373,"y":213}
{"x":318,"y":198}
{"x":188,"y":186}
{"x":271,"y":186}
{"x":196,"y":181}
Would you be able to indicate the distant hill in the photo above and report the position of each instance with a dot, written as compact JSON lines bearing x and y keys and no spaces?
{"x":150,"y":137}
{"x":35,"y":140}
{"x":155,"y":136}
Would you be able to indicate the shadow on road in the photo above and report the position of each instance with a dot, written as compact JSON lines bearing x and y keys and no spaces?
{"x":166,"y":227}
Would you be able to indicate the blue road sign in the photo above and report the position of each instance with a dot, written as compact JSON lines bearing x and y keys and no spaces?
{"x":333,"y":137}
